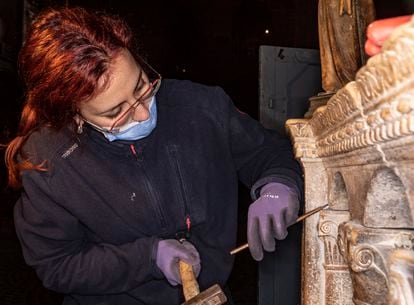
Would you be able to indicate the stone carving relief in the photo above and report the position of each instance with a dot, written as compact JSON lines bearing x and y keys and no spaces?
{"x":376,"y":107}
{"x":357,"y":153}
{"x":401,"y":291}
{"x":305,"y":146}
{"x":368,"y":253}
{"x":338,"y":286}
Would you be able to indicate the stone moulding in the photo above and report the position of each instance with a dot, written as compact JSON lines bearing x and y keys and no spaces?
{"x":377,"y":107}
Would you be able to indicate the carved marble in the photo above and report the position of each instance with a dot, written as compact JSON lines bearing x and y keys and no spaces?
{"x":368,"y":252}
{"x":337,"y":277}
{"x":401,"y":278}
{"x":357,"y":153}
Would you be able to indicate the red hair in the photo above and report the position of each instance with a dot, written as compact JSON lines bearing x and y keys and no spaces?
{"x":66,"y":53}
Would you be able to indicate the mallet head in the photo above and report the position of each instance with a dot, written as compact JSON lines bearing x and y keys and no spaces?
{"x":211,"y":296}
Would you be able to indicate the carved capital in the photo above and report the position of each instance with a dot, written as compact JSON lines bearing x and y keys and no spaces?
{"x":368,"y":253}
{"x":338,"y":284}
{"x":329,"y":221}
{"x":302,"y":137}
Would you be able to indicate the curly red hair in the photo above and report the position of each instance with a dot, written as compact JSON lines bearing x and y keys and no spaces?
{"x":63,"y":61}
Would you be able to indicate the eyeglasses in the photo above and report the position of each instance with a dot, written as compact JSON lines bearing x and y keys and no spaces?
{"x":151,"y":90}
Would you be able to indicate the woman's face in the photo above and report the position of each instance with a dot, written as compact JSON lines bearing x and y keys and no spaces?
{"x":127,"y":82}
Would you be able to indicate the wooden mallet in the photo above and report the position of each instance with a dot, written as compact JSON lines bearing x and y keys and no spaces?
{"x":192,"y":295}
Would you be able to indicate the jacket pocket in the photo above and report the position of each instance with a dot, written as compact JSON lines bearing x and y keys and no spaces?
{"x":185,"y":183}
{"x":141,"y":203}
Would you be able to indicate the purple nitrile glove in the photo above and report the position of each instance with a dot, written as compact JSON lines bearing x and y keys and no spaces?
{"x":169,"y":252}
{"x":269,"y":216}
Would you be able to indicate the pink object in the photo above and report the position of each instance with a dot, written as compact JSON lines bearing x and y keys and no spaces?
{"x":379,"y":31}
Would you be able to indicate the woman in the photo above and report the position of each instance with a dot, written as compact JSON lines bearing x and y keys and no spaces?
{"x":124,"y":175}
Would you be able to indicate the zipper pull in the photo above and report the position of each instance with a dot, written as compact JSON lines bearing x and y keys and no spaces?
{"x":188,"y":225}
{"x":185,"y":234}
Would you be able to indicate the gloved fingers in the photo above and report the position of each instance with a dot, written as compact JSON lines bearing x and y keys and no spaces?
{"x":173,"y":277}
{"x":197,"y":269}
{"x":279,"y":226}
{"x":291,"y":214}
{"x":189,"y":254}
{"x":266,"y":233}
{"x":253,"y":238}
{"x":169,"y":253}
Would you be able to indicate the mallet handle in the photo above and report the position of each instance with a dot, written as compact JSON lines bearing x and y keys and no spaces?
{"x":190,"y":285}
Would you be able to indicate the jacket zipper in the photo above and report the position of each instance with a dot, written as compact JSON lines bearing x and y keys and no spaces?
{"x":187,"y":217}
{"x":139,"y":157}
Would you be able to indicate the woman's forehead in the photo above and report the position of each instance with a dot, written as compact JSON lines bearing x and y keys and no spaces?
{"x":123,"y":76}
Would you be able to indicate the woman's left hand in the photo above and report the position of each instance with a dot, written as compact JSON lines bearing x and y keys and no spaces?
{"x":269,"y":216}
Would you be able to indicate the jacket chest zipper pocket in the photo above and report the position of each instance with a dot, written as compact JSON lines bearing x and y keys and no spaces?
{"x":182,"y":194}
{"x":150,"y":190}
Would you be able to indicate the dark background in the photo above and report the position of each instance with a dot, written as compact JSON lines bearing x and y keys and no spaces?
{"x":210,"y":41}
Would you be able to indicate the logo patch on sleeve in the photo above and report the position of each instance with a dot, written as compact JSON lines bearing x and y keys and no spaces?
{"x":69,"y":151}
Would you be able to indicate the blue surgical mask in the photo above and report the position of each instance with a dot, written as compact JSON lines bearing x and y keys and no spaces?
{"x":137,"y":130}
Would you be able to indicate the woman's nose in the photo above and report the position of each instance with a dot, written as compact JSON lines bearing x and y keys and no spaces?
{"x":141,"y":112}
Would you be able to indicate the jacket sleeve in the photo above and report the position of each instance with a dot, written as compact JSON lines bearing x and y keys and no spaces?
{"x":54,"y":244}
{"x":261,"y":155}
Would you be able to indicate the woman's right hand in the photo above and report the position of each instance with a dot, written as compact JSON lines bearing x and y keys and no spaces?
{"x":170,"y":252}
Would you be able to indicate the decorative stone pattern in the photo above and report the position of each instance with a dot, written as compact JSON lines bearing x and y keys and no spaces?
{"x":337,"y":277}
{"x":357,"y":153}
{"x":376,"y":107}
{"x":305,"y":146}
{"x":368,"y":254}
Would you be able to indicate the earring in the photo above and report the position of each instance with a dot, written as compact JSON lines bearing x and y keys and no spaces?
{"x":80,"y":129}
